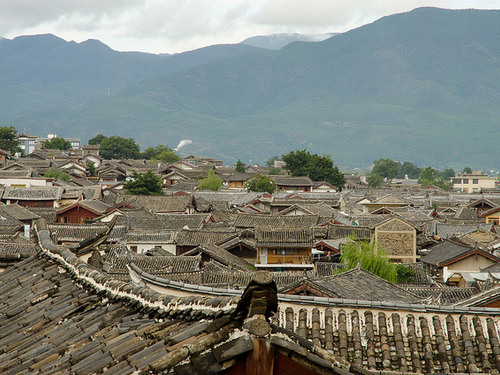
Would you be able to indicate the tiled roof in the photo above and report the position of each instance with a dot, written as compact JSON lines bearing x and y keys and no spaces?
{"x":444,"y":252}
{"x":343,"y":231}
{"x":256,"y":220}
{"x":75,"y":232}
{"x":287,"y":237}
{"x":17,"y":212}
{"x":445,"y":231}
{"x":220,"y":255}
{"x":292,"y":181}
{"x":48,"y":213}
{"x":202,"y":237}
{"x":38,"y":193}
{"x":358,"y":284}
{"x":172,"y":222}
{"x":158,"y":203}
{"x":151,"y":236}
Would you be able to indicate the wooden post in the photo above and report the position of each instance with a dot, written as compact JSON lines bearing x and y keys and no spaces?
{"x":260,"y":361}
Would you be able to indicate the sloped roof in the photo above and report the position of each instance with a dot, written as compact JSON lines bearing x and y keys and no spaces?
{"x":94,"y":205}
{"x":18,"y":212}
{"x":390,"y":199}
{"x":220,"y":255}
{"x":357,"y":284}
{"x":261,"y":220}
{"x":152,"y":236}
{"x":35,"y":193}
{"x":284,"y":237}
{"x":76,"y":232}
{"x":447,"y":251}
{"x":158,"y":203}
{"x":203,"y":237}
{"x":343,"y":231}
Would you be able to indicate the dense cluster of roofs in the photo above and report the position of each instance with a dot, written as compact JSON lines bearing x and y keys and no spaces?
{"x":205,"y":282}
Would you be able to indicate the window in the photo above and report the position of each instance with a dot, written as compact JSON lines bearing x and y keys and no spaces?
{"x":457,"y":180}
{"x":465,"y":181}
{"x":475,"y":181}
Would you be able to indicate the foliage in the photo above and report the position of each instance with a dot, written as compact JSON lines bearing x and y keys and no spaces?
{"x":274,"y":171}
{"x":239,"y":167}
{"x":144,"y":184}
{"x":447,"y":174}
{"x":386,"y":168}
{"x":317,"y":168}
{"x":429,"y":174}
{"x":270,"y":161}
{"x":97,"y":139}
{"x":56,"y":144}
{"x":372,"y":258}
{"x":467,"y":170}
{"x":261,"y":182}
{"x":57,"y":173}
{"x":405,"y":274}
{"x":8,"y":139}
{"x":374,"y":179}
{"x":162,"y":153}
{"x":91,"y":168}
{"x":116,"y":147}
{"x":212,"y":182}
{"x":410,"y":170}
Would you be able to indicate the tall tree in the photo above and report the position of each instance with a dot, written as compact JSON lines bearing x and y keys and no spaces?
{"x":8,"y":139}
{"x":262,"y":183}
{"x":144,"y":184}
{"x":239,"y":167}
{"x":317,"y":168}
{"x":212,"y":182}
{"x":386,"y":168}
{"x":97,"y":139}
{"x":162,"y":153}
{"x":116,"y":147}
{"x":56,"y":144}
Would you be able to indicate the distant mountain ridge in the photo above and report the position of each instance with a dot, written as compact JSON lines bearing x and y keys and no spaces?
{"x":421,"y":86}
{"x":278,"y":41}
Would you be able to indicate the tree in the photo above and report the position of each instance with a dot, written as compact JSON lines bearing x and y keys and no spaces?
{"x":386,"y":168}
{"x":371,"y":256}
{"x":144,"y":184}
{"x":374,"y":179}
{"x":239,"y":167}
{"x":57,"y":173}
{"x":162,"y":153}
{"x":467,"y":170}
{"x":317,"y":168}
{"x":270,"y":161}
{"x":8,"y":139}
{"x":261,"y":182}
{"x":91,"y":168}
{"x":212,"y":182}
{"x":116,"y":147}
{"x":409,"y":169}
{"x":427,"y":176}
{"x":56,"y":144}
{"x":447,"y":174}
{"x":97,"y":139}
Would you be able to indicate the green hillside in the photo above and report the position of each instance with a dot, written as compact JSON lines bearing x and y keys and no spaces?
{"x":422,"y":86}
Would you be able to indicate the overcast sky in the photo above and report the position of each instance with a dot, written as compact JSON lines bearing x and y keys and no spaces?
{"x":169,"y":26}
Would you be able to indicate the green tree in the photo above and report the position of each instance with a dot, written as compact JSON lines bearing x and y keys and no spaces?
{"x":386,"y":168}
{"x":8,"y":139}
{"x":317,"y":168}
{"x":274,"y":171}
{"x":405,"y":274}
{"x":372,"y":258}
{"x":161,"y":152}
{"x":56,"y":144}
{"x":212,"y":182}
{"x":144,"y":184}
{"x":239,"y":167}
{"x":57,"y":173}
{"x":374,"y":179}
{"x":427,"y":175}
{"x":97,"y":139}
{"x":409,"y":169}
{"x":447,"y":174}
{"x":91,"y":168}
{"x":270,"y":161}
{"x":261,"y":182}
{"x":467,"y":170}
{"x":116,"y":147}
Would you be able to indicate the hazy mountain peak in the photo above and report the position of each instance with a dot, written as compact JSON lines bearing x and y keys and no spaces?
{"x":278,"y":41}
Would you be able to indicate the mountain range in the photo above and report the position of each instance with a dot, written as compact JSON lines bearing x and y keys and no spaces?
{"x":421,"y":86}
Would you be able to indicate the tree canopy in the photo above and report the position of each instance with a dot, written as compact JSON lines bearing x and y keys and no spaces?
{"x":212,"y":182}
{"x":317,"y":168}
{"x":239,"y":167}
{"x":144,"y":184}
{"x":8,"y":139}
{"x":57,"y":173}
{"x":97,"y":139}
{"x":162,"y":153}
{"x":56,"y":144}
{"x":116,"y":147}
{"x":262,"y":183}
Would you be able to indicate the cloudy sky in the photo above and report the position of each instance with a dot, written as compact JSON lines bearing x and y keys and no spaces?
{"x":169,"y":26}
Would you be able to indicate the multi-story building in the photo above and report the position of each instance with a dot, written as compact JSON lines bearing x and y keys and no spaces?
{"x":473,"y":182}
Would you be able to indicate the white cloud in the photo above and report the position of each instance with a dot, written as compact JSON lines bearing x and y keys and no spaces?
{"x":179,"y":25}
